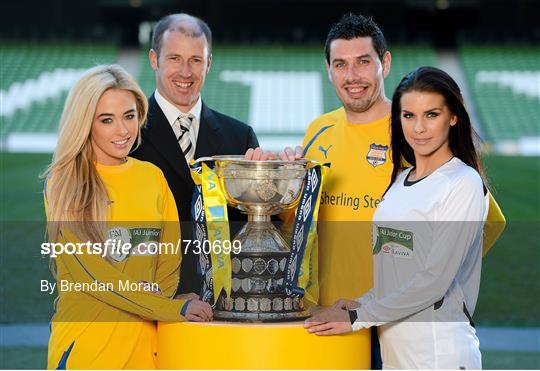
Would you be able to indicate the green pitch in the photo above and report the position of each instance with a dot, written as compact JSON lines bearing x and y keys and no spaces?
{"x":36,"y":358}
{"x":510,"y":275}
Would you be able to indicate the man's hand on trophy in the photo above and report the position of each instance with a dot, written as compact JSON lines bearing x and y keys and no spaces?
{"x":331,"y":321}
{"x":346,"y":304}
{"x":199,"y":311}
{"x":288,"y":154}
{"x":258,"y":154}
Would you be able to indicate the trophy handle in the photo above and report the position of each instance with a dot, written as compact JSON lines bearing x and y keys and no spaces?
{"x":240,"y":157}
{"x":207,"y":158}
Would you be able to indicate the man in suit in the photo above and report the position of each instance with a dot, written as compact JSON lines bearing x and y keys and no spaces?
{"x":180,"y":126}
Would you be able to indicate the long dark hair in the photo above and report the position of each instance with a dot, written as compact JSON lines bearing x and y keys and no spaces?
{"x":462,"y":136}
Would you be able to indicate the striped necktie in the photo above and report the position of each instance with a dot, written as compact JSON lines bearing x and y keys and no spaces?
{"x":182,"y":127}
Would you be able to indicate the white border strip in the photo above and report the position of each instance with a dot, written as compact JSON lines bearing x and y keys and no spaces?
{"x":30,"y":143}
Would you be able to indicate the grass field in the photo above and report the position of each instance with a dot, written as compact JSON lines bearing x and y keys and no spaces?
{"x":510,"y":284}
{"x":510,"y":278}
{"x":32,"y":358}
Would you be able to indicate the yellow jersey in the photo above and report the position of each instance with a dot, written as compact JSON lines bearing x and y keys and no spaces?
{"x":109,"y":323}
{"x":359,"y":172}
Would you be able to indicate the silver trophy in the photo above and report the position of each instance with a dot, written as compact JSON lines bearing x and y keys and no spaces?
{"x":260,"y":189}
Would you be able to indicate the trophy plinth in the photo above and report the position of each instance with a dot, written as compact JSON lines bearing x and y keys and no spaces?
{"x":260,"y":189}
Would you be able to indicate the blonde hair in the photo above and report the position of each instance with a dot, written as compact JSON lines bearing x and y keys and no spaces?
{"x":76,"y":195}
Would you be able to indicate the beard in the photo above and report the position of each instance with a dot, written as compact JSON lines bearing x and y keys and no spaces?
{"x":360,"y":105}
{"x":364,"y":104}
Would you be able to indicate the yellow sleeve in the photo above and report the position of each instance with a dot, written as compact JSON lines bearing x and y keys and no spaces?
{"x":88,"y":268}
{"x":494,"y":225}
{"x":168,"y":265}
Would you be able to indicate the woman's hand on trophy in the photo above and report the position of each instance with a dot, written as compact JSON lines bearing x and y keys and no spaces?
{"x":346,"y":304}
{"x":199,"y":311}
{"x":190,"y":296}
{"x":288,"y":154}
{"x":331,"y":321}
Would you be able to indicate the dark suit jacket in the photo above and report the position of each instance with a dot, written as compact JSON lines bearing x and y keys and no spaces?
{"x":218,"y":135}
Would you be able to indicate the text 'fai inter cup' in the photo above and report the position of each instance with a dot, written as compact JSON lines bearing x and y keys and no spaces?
{"x":266,"y":263}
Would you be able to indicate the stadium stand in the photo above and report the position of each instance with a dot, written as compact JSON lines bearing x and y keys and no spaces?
{"x":279,"y":90}
{"x":36,"y":78}
{"x":505,"y":85}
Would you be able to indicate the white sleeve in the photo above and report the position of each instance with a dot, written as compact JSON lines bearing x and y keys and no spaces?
{"x":458,"y":224}
{"x":362,"y":300}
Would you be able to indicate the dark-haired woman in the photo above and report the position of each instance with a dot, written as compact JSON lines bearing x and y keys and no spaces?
{"x":427,"y":235}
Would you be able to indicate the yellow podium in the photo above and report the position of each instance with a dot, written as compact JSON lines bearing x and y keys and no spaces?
{"x":226,"y":345}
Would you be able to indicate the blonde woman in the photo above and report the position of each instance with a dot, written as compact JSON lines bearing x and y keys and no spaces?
{"x":109,"y":298}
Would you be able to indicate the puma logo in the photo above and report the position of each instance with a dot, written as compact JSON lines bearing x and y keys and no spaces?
{"x":325,"y":151}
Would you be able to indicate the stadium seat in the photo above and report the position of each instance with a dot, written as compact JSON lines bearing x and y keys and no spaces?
{"x":36,"y":78}
{"x":228,"y":92}
{"x":505,"y":85}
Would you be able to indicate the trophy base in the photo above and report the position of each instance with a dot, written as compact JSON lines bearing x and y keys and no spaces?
{"x":259,"y":308}
{"x":221,"y":315}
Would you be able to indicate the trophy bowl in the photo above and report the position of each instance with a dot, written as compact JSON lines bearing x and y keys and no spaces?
{"x":260,"y":189}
